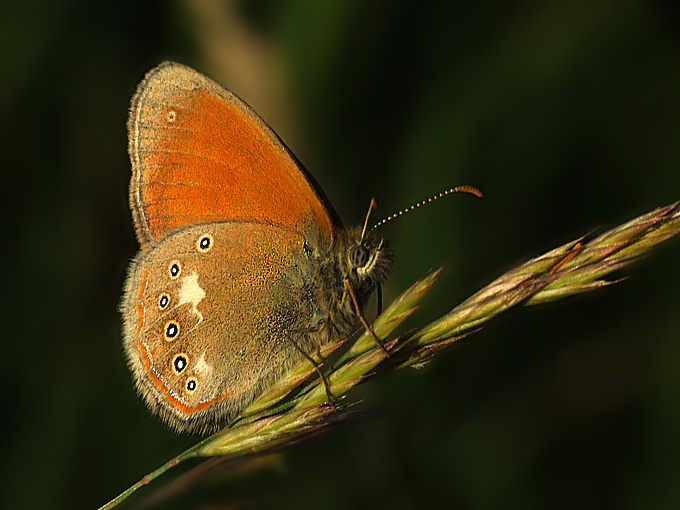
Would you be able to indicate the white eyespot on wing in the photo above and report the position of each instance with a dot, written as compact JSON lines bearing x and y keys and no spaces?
{"x":191,"y":292}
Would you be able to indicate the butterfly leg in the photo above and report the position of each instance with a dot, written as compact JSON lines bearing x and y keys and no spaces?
{"x":350,"y":291}
{"x":317,"y":369}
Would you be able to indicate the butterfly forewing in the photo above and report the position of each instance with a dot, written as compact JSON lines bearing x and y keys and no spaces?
{"x":200,"y":154}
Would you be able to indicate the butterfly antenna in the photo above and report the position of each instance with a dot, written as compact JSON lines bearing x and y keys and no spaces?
{"x":464,"y":189}
{"x":373,"y":205}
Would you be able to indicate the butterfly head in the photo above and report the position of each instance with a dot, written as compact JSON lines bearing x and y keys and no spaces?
{"x":366,"y":262}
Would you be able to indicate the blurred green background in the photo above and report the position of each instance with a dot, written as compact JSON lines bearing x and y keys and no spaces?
{"x":565,"y":113}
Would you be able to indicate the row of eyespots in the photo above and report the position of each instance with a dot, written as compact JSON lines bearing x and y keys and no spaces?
{"x":179,"y":363}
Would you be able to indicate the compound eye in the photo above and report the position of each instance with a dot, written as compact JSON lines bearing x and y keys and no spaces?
{"x":358,"y":256}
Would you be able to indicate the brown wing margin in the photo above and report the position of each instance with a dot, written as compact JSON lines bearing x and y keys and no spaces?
{"x":199,"y":153}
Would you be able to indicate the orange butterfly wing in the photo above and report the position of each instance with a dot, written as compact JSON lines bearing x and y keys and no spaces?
{"x":199,"y":153}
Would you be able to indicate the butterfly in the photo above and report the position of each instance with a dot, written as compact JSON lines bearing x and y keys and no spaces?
{"x":244,"y":266}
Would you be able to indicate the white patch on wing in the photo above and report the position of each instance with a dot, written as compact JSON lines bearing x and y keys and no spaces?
{"x":191,"y":292}
{"x":202,"y":367}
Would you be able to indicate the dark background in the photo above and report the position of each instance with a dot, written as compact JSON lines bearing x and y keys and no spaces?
{"x":565,"y":113}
